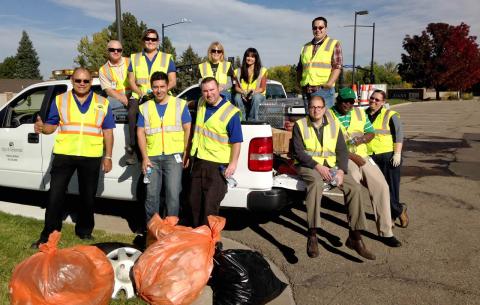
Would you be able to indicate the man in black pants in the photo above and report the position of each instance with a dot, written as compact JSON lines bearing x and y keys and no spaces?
{"x":85,"y":134}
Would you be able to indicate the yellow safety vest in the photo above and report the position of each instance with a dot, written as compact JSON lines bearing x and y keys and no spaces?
{"x":222,"y":72}
{"x":119,"y":85}
{"x":356,"y":128}
{"x":210,"y":140}
{"x":164,"y":135}
{"x":316,"y":70}
{"x":80,"y":134}
{"x":383,"y":140}
{"x":313,"y":147}
{"x":140,"y":69}
{"x":252,"y":84}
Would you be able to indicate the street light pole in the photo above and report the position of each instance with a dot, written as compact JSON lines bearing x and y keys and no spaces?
{"x":118,"y":13}
{"x":372,"y":74}
{"x":355,"y":41}
{"x":183,"y":20}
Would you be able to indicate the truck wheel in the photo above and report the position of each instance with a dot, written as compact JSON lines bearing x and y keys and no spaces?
{"x":122,"y":257}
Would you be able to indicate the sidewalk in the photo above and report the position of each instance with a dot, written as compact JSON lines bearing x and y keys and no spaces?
{"x":113,"y":224}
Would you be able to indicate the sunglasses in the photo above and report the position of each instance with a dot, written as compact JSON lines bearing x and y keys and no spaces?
{"x":113,"y":50}
{"x":349,"y":101}
{"x":79,"y":81}
{"x":216,"y":51}
{"x":373,"y":99}
{"x":152,"y":39}
{"x":314,"y":28}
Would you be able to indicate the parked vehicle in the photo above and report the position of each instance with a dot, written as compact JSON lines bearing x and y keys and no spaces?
{"x":25,"y":157}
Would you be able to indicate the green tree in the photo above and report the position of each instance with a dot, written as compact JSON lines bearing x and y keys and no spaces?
{"x":26,"y":60}
{"x":7,"y":67}
{"x":168,"y":47}
{"x":287,"y":75}
{"x":187,"y":68}
{"x":132,"y":32}
{"x":238,"y":63}
{"x":92,"y":55}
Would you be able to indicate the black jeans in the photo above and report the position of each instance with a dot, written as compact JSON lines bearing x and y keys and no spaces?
{"x":392,"y":175}
{"x":207,"y":189}
{"x":63,"y":167}
{"x":132,"y":121}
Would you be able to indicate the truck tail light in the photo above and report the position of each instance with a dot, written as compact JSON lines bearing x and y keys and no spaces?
{"x":260,"y":154}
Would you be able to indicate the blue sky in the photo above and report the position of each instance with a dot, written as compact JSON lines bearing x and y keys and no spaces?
{"x":276,"y":28}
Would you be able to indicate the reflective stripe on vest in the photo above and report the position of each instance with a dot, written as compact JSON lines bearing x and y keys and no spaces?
{"x":123,"y":86}
{"x":80,"y":134}
{"x":221,"y":75}
{"x":164,"y":135}
{"x":316,"y":69}
{"x":253,"y":84}
{"x":140,"y":69}
{"x":210,"y":140}
{"x":313,"y":147}
{"x":383,"y":140}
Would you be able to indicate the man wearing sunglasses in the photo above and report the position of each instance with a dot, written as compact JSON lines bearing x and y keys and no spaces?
{"x":318,"y":146}
{"x":83,"y":144}
{"x":141,"y":68}
{"x":113,"y":77}
{"x":320,"y":64}
{"x":358,"y":130}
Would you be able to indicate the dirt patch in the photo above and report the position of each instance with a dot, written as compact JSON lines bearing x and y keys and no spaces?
{"x":434,"y":145}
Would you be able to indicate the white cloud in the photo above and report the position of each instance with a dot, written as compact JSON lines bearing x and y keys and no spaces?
{"x":278,"y":34}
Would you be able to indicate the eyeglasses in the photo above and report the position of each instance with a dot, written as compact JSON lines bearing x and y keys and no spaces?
{"x":113,"y":50}
{"x":152,"y":39}
{"x":316,"y":107}
{"x":79,"y":81}
{"x":376,"y":100}
{"x":213,"y":51}
{"x":314,"y":28}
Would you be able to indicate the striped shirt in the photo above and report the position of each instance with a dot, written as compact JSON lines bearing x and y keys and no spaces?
{"x":345,"y":120}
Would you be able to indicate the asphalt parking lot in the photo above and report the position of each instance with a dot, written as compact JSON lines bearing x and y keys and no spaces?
{"x":439,"y":261}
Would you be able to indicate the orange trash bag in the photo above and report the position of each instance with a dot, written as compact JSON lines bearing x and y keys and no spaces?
{"x":157,"y":227}
{"x":80,"y":275}
{"x":175,"y":269}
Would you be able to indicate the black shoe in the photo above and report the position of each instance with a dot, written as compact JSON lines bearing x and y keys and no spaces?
{"x":391,"y":242}
{"x":85,"y":236}
{"x":36,"y":244}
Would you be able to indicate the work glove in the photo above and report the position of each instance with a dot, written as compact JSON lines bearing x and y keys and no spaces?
{"x":397,"y":157}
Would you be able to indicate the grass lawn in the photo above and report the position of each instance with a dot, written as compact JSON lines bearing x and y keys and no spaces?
{"x":17,"y":234}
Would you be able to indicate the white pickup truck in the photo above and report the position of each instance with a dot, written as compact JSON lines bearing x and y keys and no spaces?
{"x":25,"y":157}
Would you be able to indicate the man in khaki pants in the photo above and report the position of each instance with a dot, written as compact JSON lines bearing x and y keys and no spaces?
{"x":358,"y":130}
{"x":318,"y":146}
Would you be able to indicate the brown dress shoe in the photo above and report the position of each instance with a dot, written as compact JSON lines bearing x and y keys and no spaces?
{"x":404,"y":220}
{"x":312,"y":246}
{"x":360,"y":248}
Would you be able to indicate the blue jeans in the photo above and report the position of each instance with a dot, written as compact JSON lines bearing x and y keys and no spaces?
{"x":165,"y":167}
{"x":254,"y":105}
{"x":327,"y":94}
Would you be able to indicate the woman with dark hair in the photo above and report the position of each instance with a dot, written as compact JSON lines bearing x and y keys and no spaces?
{"x":251,"y":85}
{"x":217,"y":67}
{"x":386,"y":150}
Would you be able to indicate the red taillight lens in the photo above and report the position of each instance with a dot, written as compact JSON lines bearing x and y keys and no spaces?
{"x":260,"y":155}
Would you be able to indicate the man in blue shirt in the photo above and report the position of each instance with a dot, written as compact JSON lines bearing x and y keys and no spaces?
{"x":84,"y":143}
{"x":215,"y":151}
{"x":163,"y":130}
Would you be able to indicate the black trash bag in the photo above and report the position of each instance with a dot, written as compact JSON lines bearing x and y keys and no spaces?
{"x":241,"y":277}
